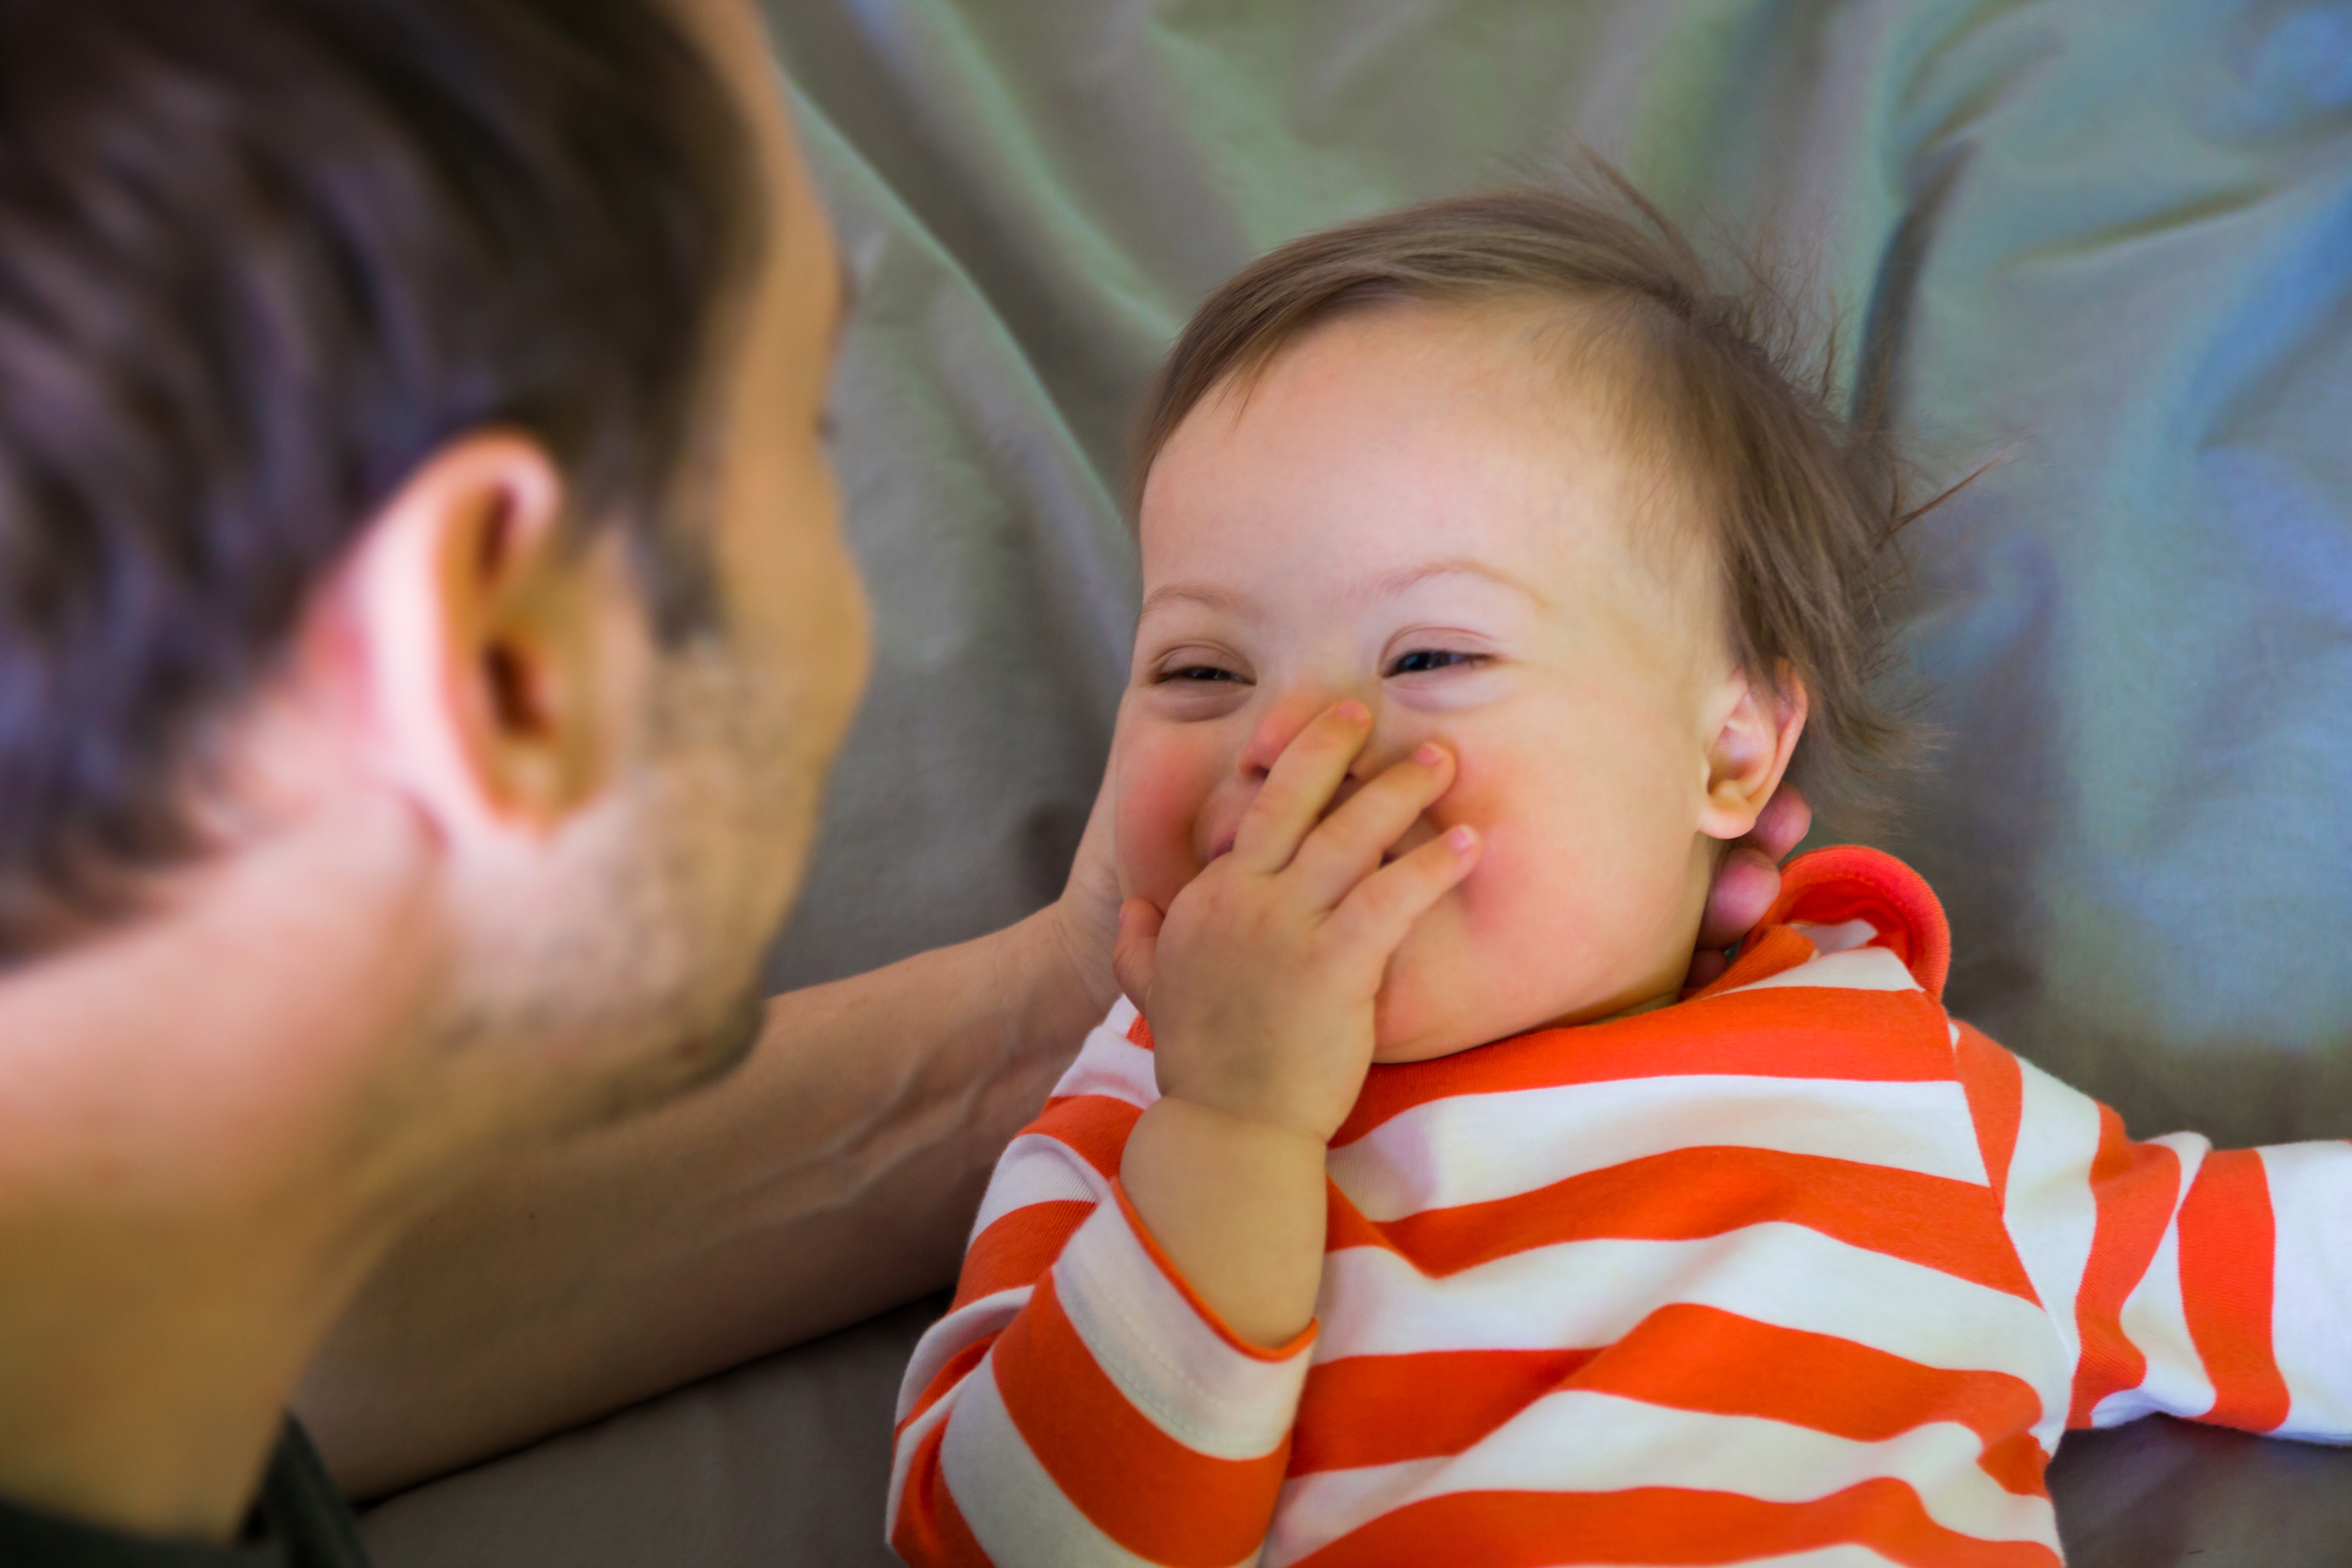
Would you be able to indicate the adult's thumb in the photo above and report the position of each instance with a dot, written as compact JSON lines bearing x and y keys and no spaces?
{"x":1137,"y":944}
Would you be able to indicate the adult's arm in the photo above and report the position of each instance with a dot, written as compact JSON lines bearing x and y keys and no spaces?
{"x":834,"y":1175}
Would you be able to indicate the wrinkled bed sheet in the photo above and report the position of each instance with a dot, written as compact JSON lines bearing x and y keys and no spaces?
{"x":2109,"y":244}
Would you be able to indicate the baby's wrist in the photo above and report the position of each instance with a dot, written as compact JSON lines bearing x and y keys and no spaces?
{"x":1229,"y":1121}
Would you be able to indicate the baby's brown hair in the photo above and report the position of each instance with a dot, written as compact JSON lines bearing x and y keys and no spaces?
{"x":1805,"y":502}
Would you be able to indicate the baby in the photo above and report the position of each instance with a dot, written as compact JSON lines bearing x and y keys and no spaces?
{"x":1496,"y":574}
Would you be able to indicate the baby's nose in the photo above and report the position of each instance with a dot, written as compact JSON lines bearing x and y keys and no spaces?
{"x":1281,"y":725}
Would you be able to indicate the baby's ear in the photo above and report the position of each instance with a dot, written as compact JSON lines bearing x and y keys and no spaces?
{"x":1752,"y":733}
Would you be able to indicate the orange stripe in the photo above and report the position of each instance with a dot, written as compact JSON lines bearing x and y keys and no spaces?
{"x":1017,"y":1247}
{"x":1871,"y":1037}
{"x":1344,"y":1225}
{"x":2227,"y":1237}
{"x":1094,"y":1126}
{"x":1688,"y":1195}
{"x":929,"y":1531}
{"x":1195,"y":1511}
{"x":952,"y":1371}
{"x":1385,"y":1409}
{"x":1663,"y":1525}
{"x":1690,"y":1357}
{"x":2134,"y":1187}
{"x":1850,"y":882}
{"x":1995,"y":1086}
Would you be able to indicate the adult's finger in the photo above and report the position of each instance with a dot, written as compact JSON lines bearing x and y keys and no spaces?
{"x":1744,"y":886}
{"x":1347,"y":846}
{"x":1784,"y":823}
{"x":1132,"y":956}
{"x":1301,"y":786}
{"x":1087,"y":914}
{"x":1749,"y":877}
{"x":1383,"y":906}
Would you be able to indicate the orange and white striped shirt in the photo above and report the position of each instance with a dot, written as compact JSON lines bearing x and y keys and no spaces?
{"x":1795,"y":1271}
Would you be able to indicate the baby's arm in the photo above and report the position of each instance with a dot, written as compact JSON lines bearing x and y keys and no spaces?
{"x":2208,"y":1284}
{"x":1093,"y":1396}
{"x":1259,"y":986}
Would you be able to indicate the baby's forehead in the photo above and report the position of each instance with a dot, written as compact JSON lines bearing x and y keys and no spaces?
{"x":1453,"y":412}
{"x":1496,"y":519}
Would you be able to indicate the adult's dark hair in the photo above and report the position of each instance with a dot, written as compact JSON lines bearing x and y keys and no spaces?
{"x":258,"y":259}
{"x":1801,"y":502}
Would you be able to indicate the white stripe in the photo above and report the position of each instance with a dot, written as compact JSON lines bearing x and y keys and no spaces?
{"x":1583,"y":1294}
{"x":973,"y":1321}
{"x":2311,"y":1299}
{"x":1037,"y":1169}
{"x":1168,"y":1361}
{"x":1862,"y":969}
{"x":1315,"y":1510}
{"x":902,"y":1455}
{"x":1011,"y":1504}
{"x":1475,"y":1148}
{"x":2155,"y":1320}
{"x":1839,"y":938}
{"x":1580,"y":1441}
{"x":2052,"y":1215}
{"x":1827,"y":1557}
{"x":1109,"y":1063}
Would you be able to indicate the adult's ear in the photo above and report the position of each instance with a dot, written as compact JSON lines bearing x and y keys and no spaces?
{"x":1753,"y":733}
{"x":489,"y":640}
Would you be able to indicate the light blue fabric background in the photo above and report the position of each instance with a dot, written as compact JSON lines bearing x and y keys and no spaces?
{"x":2108,"y":245}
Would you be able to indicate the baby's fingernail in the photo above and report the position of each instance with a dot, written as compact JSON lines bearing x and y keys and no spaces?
{"x":1430,"y":755}
{"x":1459,"y":839}
{"x":1353,"y":711}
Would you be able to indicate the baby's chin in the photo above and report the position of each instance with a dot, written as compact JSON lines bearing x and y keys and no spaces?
{"x":1426,"y":1012}
{"x":1412,"y":1022}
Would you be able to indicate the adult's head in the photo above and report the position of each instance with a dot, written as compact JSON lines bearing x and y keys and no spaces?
{"x":418,"y":401}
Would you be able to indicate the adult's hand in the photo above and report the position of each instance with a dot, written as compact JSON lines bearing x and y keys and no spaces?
{"x":1749,"y":880}
{"x":1085,"y":919}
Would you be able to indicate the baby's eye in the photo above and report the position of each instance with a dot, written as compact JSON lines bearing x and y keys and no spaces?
{"x":1421,"y":660}
{"x":1204,"y":672}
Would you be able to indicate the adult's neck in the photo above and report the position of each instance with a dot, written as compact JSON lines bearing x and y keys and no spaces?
{"x":201,"y":1155}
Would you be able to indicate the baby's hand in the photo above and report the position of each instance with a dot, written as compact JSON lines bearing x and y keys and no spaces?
{"x":1259,"y":980}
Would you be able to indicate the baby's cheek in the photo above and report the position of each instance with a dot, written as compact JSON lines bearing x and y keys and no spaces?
{"x":1162,"y":791}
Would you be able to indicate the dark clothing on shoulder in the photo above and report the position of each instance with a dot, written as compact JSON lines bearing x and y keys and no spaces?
{"x":300,"y":1521}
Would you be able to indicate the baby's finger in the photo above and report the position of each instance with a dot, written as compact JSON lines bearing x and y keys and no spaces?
{"x":1301,"y":786}
{"x":1384,"y":906}
{"x":1345,"y":846}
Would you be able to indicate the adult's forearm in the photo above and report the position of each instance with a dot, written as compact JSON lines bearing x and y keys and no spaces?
{"x":834,"y":1175}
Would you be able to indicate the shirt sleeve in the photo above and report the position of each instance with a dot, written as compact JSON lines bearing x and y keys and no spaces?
{"x":2208,"y":1284}
{"x":1079,"y":1404}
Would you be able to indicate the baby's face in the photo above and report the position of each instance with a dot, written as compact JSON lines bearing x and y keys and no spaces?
{"x":1411,"y":510}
